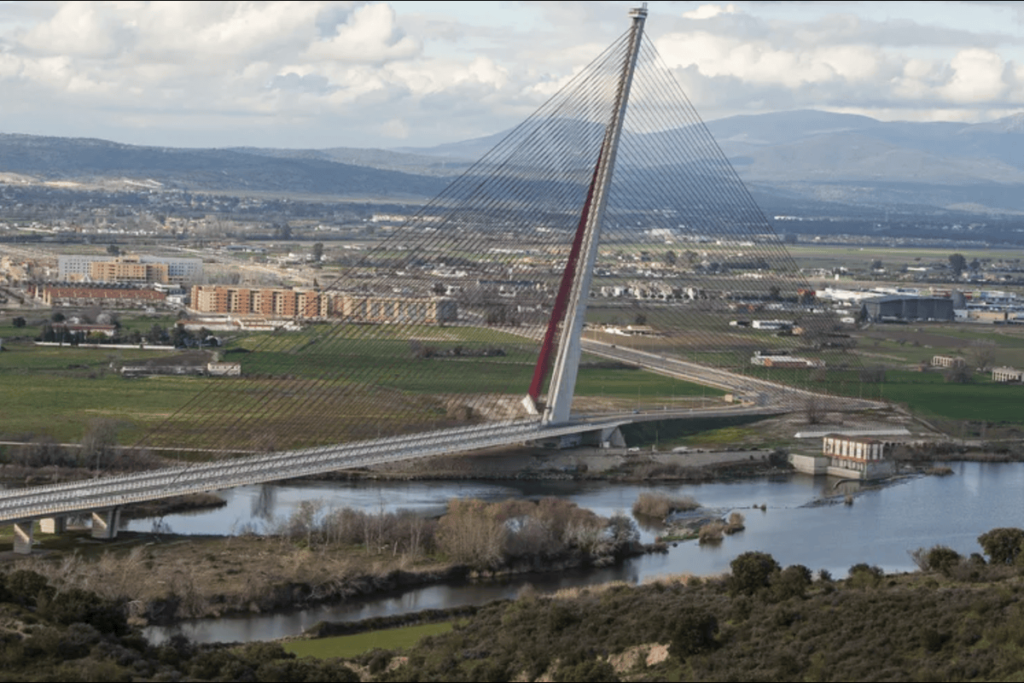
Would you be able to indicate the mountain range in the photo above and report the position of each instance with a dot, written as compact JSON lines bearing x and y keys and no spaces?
{"x":806,"y":158}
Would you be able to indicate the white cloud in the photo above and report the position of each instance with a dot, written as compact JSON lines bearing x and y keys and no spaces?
{"x":977,"y":77}
{"x":762,"y":62}
{"x":10,"y":66}
{"x":709,"y":11}
{"x":355,"y":73}
{"x":395,"y":128}
{"x":371,"y":35}
{"x":77,"y":28}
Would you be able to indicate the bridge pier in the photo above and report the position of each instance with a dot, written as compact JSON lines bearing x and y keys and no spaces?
{"x":23,"y":537}
{"x":604,"y":437}
{"x":611,"y":437}
{"x":53,"y":525}
{"x":105,"y":523}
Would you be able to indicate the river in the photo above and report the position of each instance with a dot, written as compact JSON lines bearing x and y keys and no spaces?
{"x":881,"y":528}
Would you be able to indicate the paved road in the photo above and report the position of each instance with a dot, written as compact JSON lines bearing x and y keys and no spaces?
{"x":749,"y":390}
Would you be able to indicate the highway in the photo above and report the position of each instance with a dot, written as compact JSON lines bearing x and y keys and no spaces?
{"x":745,"y":388}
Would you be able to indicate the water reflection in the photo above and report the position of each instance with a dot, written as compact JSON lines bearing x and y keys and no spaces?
{"x":264,"y":502}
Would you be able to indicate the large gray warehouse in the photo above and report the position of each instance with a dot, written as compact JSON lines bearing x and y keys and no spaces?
{"x":906,"y":308}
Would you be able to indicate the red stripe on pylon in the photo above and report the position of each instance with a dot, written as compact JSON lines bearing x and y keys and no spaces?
{"x":557,"y":313}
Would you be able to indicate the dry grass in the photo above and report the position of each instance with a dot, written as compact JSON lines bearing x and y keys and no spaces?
{"x":711,"y":533}
{"x":660,"y":506}
{"x":215,"y":576}
{"x":736,"y":523}
{"x":685,"y":579}
{"x":576,"y":592}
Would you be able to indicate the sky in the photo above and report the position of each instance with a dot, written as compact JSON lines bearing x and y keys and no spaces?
{"x":414,"y":74}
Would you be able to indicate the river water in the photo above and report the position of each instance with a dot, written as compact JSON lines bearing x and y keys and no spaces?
{"x":881,"y":528}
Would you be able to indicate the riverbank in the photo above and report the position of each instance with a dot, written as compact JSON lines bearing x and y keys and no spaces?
{"x":578,"y":464}
{"x":931,"y":510}
{"x":296,"y":564}
{"x":317,"y":556}
{"x":956,"y":618}
{"x":922,"y":625}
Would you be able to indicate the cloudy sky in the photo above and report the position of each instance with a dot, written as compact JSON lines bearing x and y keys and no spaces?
{"x":393,"y":74}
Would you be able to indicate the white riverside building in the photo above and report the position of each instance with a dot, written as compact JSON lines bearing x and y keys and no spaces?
{"x":849,"y":457}
{"x":861,"y":457}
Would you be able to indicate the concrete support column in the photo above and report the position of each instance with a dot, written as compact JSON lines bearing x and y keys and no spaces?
{"x":23,"y":537}
{"x":611,"y":437}
{"x":105,"y":522}
{"x":53,"y":525}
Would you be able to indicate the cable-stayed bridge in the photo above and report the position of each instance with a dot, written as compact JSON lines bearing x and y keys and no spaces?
{"x":605,"y":233}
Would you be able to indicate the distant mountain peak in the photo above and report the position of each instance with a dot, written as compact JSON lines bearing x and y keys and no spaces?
{"x":1014,"y":123}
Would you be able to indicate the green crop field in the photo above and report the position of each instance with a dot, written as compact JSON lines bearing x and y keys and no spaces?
{"x":929,"y":394}
{"x":925,"y":393}
{"x":354,"y":645}
{"x":62,"y":407}
{"x":59,"y":392}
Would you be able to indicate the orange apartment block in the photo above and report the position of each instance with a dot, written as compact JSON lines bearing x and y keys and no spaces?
{"x":128,"y":269}
{"x":264,"y":301}
{"x":309,"y":303}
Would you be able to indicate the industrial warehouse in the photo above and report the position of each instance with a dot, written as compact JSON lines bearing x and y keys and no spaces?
{"x":907,"y":308}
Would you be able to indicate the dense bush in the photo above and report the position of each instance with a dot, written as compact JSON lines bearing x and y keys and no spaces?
{"x":693,"y":633}
{"x":483,"y":535}
{"x":751,"y":572}
{"x":776,"y":625}
{"x":588,"y":670}
{"x":863,"y":575}
{"x":942,"y":559}
{"x":25,"y":586}
{"x":712,"y":532}
{"x":489,"y":535}
{"x":70,"y":634}
{"x":909,"y":631}
{"x":76,"y":606}
{"x":1003,"y":546}
{"x":791,"y":582}
{"x":265,"y":662}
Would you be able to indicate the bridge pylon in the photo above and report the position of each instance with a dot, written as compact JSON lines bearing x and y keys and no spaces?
{"x":570,"y":308}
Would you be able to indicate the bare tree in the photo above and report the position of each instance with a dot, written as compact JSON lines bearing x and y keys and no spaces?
{"x":959,"y":373}
{"x":813,"y":411}
{"x":468,"y":535}
{"x":99,"y":443}
{"x":982,"y":355}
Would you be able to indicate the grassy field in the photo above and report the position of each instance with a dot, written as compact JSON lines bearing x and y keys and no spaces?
{"x":35,"y":320}
{"x":305,"y":382}
{"x":58,"y":392}
{"x":699,"y":433}
{"x":925,"y":393}
{"x":929,"y":394}
{"x":912,"y":345}
{"x":852,"y":256}
{"x":63,"y":407}
{"x":354,"y":645}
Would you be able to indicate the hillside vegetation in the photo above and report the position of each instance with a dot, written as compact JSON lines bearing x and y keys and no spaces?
{"x":958,"y":619}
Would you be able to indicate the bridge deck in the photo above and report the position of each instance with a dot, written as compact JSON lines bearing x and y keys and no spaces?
{"x":759,"y":397}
